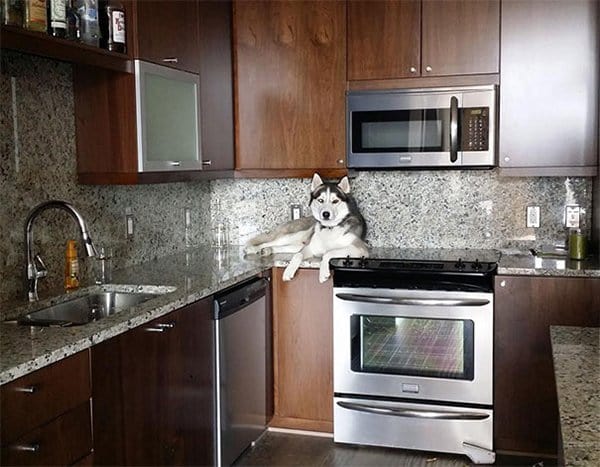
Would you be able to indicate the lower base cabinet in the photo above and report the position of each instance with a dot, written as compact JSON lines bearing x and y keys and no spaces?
{"x":153,"y":392}
{"x":303,"y":351}
{"x":525,"y":401}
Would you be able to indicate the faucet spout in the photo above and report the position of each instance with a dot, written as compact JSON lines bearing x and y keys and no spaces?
{"x":35,"y":267}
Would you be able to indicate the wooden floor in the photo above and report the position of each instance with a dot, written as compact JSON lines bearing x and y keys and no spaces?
{"x":282,"y":449}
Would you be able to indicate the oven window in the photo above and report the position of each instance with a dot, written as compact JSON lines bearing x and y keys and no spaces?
{"x":441,"y":348}
{"x":423,"y":130}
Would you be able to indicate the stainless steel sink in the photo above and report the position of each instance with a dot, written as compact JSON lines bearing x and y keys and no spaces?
{"x":85,"y":309}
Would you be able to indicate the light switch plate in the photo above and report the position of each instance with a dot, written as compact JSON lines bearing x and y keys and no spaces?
{"x":296,"y":211}
{"x":533,"y":216}
{"x":572,"y":214}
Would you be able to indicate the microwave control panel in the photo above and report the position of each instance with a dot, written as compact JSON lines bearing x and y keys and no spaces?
{"x":475,"y":128}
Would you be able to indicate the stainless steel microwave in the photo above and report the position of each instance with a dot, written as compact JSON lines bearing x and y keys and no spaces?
{"x":168,"y":118}
{"x":438,"y":127}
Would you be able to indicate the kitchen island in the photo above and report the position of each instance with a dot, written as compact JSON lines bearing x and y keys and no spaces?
{"x":576,"y":353}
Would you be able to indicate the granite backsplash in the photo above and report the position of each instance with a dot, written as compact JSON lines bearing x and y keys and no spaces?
{"x":407,"y":209}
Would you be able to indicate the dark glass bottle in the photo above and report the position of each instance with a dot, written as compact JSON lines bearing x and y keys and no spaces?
{"x":88,"y":21}
{"x":112,"y":26}
{"x":73,"y":31}
{"x":57,"y":17}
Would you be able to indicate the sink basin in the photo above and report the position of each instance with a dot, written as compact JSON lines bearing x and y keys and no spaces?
{"x":83,"y":310}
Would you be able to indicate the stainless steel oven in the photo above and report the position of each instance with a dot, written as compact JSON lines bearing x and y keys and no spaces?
{"x":413,"y":362}
{"x":441,"y":127}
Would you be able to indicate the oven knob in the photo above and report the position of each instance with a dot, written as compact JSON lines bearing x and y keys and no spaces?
{"x":347,"y":261}
{"x":459,"y":264}
{"x":477,"y":265}
{"x":362,"y":262}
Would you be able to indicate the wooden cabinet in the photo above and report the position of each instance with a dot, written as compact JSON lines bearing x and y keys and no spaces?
{"x":167,"y":33}
{"x":45,"y":416}
{"x":525,"y":403}
{"x":105,"y":102}
{"x":407,"y":38}
{"x":549,"y":95}
{"x":290,"y":60}
{"x":303,"y":351}
{"x":153,"y":392}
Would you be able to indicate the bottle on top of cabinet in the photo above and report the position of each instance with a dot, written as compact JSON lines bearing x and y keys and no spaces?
{"x":11,"y":12}
{"x":73,"y":32}
{"x":34,"y":18}
{"x":57,"y":17}
{"x":88,"y":21}
{"x":112,"y":26}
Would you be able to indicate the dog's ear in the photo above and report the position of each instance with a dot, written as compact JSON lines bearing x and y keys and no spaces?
{"x":316,"y":182}
{"x":344,"y":185}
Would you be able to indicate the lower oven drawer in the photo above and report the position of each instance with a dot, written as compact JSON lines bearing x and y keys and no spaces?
{"x":440,"y":428}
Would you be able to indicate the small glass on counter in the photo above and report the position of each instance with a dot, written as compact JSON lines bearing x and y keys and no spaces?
{"x":103,"y":265}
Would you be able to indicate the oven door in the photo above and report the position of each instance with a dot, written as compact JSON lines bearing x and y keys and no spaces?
{"x":414,"y":344}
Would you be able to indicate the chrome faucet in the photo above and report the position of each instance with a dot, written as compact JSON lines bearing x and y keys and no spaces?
{"x":36,"y":269}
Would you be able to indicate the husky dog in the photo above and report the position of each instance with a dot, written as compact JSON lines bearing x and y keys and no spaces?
{"x":336,"y":229}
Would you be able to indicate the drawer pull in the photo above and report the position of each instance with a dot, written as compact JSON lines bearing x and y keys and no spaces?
{"x":35,"y":447}
{"x":207,"y":162}
{"x":170,"y":60}
{"x":165,"y":325}
{"x":155,"y":329}
{"x":28,"y":389}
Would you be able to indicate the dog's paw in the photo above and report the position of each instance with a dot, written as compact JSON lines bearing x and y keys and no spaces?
{"x":324,"y":274}
{"x":288,"y":274}
{"x":250,"y":250}
{"x":268,"y":251}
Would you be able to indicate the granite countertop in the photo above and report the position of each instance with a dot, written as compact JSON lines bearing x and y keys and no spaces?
{"x":576,"y":353}
{"x":184,"y":278}
{"x":526,"y":264}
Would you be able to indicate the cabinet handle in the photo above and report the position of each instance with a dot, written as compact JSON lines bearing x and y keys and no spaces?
{"x":165,"y":325}
{"x":207,"y":162}
{"x":28,"y":389}
{"x":35,"y":447}
{"x":156,"y":329}
{"x":170,"y":60}
{"x":506,"y":159}
{"x":340,"y":161}
{"x":413,"y":69}
{"x":428,"y":68}
{"x":175,"y":163}
{"x":502,"y":283}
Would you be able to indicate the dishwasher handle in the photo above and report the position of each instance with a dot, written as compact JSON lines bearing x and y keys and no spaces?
{"x":233,"y":300}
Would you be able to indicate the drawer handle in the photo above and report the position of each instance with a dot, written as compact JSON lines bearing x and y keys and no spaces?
{"x":207,"y":162}
{"x":165,"y":325}
{"x":170,"y":60}
{"x":35,"y":447}
{"x":174,"y":163}
{"x":28,"y":389}
{"x":156,"y":329}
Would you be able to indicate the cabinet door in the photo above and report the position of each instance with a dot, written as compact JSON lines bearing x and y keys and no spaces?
{"x":303,"y":351}
{"x":167,"y":33}
{"x":525,"y":403}
{"x":460,"y":37}
{"x":290,"y":84}
{"x":549,"y":98}
{"x":384,"y":39}
{"x":152,"y":392}
{"x":216,"y":85}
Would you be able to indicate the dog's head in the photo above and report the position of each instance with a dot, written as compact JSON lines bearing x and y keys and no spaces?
{"x":329,"y":200}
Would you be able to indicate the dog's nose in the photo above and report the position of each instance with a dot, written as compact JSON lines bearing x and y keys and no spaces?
{"x":325,"y":214}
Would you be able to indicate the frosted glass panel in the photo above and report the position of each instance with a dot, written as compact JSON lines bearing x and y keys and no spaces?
{"x":171,"y":119}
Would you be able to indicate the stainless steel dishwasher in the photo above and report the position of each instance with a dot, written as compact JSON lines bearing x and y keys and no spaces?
{"x":239,"y":319}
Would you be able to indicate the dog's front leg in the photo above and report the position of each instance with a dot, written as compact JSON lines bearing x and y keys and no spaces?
{"x":290,"y":271}
{"x":350,"y":250}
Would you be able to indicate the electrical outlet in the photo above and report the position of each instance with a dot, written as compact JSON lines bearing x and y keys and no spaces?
{"x":296,"y":211}
{"x":129,"y":221}
{"x":188,"y":217}
{"x":572,"y":214}
{"x":533,"y":216}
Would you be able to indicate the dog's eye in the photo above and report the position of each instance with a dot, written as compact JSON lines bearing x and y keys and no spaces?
{"x":335,"y":201}
{"x":320,"y":200}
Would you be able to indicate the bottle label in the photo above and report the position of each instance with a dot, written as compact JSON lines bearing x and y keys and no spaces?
{"x":58,"y":13}
{"x":118,"y":26}
{"x":74,"y":268}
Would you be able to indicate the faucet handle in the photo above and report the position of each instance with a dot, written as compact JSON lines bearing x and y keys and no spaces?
{"x":40,"y":270}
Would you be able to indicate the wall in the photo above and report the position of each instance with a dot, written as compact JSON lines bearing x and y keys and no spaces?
{"x":421,"y":209}
{"x":38,"y":163}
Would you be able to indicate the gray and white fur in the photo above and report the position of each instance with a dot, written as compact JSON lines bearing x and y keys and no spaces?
{"x":335,"y":229}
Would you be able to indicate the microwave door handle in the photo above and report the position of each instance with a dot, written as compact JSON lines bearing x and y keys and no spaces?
{"x":413,"y":413}
{"x":453,"y":129}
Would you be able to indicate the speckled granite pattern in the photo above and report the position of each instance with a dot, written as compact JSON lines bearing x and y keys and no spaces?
{"x":525,"y":264}
{"x":576,"y":353}
{"x":38,"y":163}
{"x":194,"y":274}
{"x":421,"y":209}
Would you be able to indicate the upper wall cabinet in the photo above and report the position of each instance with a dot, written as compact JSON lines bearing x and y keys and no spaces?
{"x":407,"y":38}
{"x":167,"y":33}
{"x":549,"y":88}
{"x":290,"y":84}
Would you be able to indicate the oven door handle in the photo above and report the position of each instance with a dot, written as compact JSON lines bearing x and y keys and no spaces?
{"x":453,"y":129}
{"x":350,"y":297}
{"x":413,"y":413}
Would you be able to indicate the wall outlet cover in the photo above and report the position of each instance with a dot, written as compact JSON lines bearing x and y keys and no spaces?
{"x":572,"y":216}
{"x":533,"y":216}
